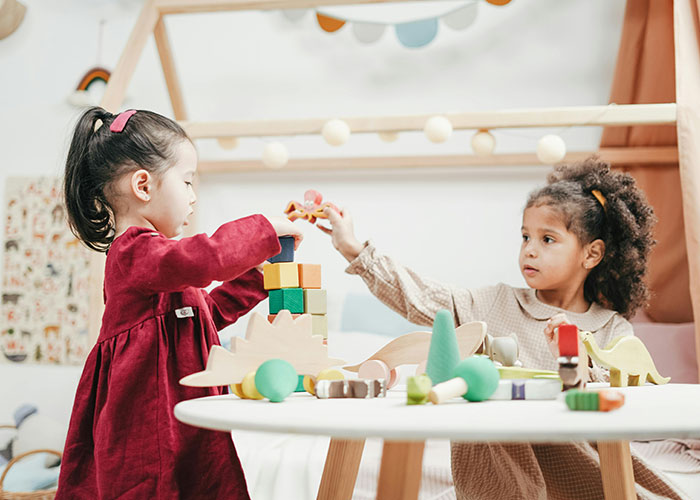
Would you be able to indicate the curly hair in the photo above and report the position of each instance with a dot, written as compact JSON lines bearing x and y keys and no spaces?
{"x":624,"y":223}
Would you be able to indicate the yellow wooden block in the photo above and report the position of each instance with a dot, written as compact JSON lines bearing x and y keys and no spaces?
{"x":309,"y":275}
{"x":319,"y":325}
{"x":315,"y":301}
{"x":248,"y":387}
{"x":280,"y":275}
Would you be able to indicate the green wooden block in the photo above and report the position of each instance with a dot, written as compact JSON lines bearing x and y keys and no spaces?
{"x":291,"y":299}
{"x":315,"y":301}
{"x":581,"y":400}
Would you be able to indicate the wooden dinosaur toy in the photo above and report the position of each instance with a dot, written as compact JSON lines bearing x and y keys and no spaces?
{"x":627,"y":359}
{"x":285,"y":338}
{"x":412,"y":348}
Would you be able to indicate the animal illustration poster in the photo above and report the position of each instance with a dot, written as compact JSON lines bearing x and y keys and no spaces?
{"x":45,"y":278}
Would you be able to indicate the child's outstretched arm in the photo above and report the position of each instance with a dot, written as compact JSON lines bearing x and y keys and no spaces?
{"x":154,"y":263}
{"x":342,"y":233}
{"x":412,"y":296}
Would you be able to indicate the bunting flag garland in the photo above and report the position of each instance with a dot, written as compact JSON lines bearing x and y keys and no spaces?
{"x":411,"y":33}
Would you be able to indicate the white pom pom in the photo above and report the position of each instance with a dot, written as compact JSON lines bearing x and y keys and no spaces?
{"x":388,"y":136}
{"x":336,"y":132}
{"x":275,"y":155}
{"x":551,"y":149}
{"x":438,"y":129}
{"x":483,"y":143}
{"x":228,"y":142}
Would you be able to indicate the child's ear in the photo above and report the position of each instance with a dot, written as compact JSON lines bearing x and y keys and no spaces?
{"x":595,"y":251}
{"x":141,"y":184}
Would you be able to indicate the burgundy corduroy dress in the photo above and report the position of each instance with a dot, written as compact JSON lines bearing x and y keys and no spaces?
{"x":158,"y":326}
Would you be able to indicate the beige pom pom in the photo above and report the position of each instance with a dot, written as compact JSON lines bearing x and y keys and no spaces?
{"x":438,"y":129}
{"x":275,"y":155}
{"x":483,"y":143}
{"x":551,"y":149}
{"x":336,"y":132}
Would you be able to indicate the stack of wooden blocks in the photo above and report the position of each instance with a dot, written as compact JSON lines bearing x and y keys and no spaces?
{"x":296,"y":287}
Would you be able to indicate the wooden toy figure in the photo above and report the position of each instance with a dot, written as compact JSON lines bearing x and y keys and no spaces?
{"x":573,"y":364}
{"x":604,"y":400}
{"x":413,"y":348}
{"x":417,"y":389}
{"x":627,"y":359}
{"x":357,"y":388}
{"x":311,"y":209}
{"x":285,"y":338}
{"x":475,"y":379}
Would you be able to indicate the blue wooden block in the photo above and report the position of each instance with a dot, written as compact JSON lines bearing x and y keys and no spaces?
{"x":287,"y":253}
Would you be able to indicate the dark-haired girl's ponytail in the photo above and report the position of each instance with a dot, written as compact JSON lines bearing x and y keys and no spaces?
{"x":89,"y":213}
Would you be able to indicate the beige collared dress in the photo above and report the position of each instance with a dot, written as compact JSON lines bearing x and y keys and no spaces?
{"x":501,"y":470}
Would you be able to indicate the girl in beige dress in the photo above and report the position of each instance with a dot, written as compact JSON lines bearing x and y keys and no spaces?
{"x":586,"y":238}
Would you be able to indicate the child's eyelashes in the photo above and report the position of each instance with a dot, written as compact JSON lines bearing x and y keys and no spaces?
{"x":188,"y":183}
{"x":548,"y":239}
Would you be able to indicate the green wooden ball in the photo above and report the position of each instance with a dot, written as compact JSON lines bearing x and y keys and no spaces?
{"x":481,"y":376}
{"x":276,"y":379}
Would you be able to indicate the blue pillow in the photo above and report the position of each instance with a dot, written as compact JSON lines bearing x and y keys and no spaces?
{"x":29,"y":474}
{"x":363,"y":312}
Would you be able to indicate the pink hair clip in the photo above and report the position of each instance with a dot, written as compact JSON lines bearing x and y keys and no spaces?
{"x":120,"y":121}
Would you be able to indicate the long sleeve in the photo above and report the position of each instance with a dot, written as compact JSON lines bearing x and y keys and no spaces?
{"x":153,"y":263}
{"x":414,"y":297}
{"x":233,"y":299}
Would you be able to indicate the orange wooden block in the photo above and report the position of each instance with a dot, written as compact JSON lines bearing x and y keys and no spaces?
{"x":271,"y":317}
{"x":309,"y":275}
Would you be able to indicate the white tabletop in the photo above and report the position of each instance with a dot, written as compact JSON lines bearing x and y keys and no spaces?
{"x":650,"y":412}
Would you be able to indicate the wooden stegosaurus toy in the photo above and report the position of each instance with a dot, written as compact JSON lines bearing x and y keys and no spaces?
{"x":284,"y":338}
{"x":627,"y":359}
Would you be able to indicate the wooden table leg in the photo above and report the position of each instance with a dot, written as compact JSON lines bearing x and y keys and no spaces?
{"x":401,"y":470}
{"x":616,"y":469}
{"x":340,"y":471}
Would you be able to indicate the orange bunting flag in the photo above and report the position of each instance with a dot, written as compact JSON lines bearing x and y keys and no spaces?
{"x":329,"y":24}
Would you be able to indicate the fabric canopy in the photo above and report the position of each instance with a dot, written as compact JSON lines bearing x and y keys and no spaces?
{"x":648,"y":72}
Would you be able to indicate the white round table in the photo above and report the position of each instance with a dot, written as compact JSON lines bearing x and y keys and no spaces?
{"x":650,"y":412}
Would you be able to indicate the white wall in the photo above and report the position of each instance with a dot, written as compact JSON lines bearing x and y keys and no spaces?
{"x":456,"y":225}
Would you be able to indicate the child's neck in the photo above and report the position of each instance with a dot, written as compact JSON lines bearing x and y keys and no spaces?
{"x":124,"y":223}
{"x":569,"y":300}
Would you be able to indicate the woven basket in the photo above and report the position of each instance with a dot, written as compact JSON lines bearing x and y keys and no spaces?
{"x":25,"y":495}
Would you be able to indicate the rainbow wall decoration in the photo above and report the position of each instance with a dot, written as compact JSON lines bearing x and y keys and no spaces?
{"x":82,"y":96}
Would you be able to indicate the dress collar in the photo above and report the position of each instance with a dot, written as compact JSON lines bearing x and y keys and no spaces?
{"x":592,"y":320}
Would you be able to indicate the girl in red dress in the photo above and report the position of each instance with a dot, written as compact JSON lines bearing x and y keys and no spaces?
{"x":128,"y":190}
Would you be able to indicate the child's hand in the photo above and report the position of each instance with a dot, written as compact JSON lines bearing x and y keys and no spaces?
{"x":342,"y":233}
{"x":551,"y":333}
{"x":285,"y":227}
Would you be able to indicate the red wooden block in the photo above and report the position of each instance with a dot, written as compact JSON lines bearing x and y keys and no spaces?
{"x":568,"y":340}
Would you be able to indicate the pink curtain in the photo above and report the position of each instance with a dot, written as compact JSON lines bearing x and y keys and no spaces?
{"x":645,"y":74}
{"x":687,"y":63}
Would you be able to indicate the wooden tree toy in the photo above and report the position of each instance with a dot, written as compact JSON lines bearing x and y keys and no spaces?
{"x":627,"y":358}
{"x":412,"y":348}
{"x":443,"y":354}
{"x":573,"y":362}
{"x":475,"y":379}
{"x":284,"y":338}
{"x":604,"y":400}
